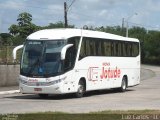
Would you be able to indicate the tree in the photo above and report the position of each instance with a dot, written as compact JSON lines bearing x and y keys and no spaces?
{"x":6,"y":39}
{"x":24,"y":19}
{"x":110,"y":29}
{"x":59,"y":24}
{"x":24,"y":26}
{"x":14,"y":29}
{"x":18,"y":40}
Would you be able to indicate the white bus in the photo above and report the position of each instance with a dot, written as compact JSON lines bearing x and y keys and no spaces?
{"x":59,"y":61}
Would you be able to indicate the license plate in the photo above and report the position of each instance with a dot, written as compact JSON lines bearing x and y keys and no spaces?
{"x":37,"y":89}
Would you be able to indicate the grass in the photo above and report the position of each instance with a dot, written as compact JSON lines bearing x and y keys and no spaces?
{"x":102,"y":115}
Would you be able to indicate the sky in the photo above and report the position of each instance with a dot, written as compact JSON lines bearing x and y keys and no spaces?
{"x":96,"y":13}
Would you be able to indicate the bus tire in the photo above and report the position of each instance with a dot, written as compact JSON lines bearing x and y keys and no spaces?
{"x":43,"y":95}
{"x":123,"y":85}
{"x":81,"y":89}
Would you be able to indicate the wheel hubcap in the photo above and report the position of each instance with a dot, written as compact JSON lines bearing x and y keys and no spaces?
{"x":124,"y":85}
{"x":80,"y":90}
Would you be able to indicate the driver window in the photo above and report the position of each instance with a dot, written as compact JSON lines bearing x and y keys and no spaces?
{"x":69,"y":60}
{"x":71,"y":53}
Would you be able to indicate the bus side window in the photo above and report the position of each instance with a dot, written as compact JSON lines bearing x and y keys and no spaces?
{"x":87,"y":47}
{"x":98,"y":46}
{"x":124,"y":49}
{"x":107,"y":48}
{"x":119,"y":49}
{"x":92,"y":47}
{"x":135,"y":49}
{"x":115,"y":48}
{"x":129,"y":49}
{"x":82,"y":50}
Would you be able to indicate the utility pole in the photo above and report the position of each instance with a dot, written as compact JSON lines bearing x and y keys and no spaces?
{"x":127,"y":23}
{"x":122,"y":26}
{"x":65,"y":15}
{"x":127,"y":29}
{"x":66,"y":8}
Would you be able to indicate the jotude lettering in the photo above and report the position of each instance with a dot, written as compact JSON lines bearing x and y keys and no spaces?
{"x":104,"y":72}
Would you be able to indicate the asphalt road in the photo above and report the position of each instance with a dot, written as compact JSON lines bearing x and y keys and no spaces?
{"x":144,"y":96}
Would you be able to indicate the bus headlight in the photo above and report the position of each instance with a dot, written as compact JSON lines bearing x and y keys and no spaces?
{"x":57,"y":81}
{"x":23,"y":80}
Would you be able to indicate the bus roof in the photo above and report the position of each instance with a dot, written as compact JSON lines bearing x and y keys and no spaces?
{"x":64,"y":33}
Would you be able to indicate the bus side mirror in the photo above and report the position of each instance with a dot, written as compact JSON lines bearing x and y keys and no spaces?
{"x":15,"y":51}
{"x":64,"y":49}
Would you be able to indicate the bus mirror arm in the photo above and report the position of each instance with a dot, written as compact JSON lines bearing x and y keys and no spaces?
{"x":15,"y":51}
{"x":64,"y":49}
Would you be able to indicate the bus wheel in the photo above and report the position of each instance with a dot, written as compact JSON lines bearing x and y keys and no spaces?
{"x":81,"y":89}
{"x":43,"y":95}
{"x":123,"y":85}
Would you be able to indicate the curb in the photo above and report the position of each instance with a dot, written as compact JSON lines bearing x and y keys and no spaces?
{"x":9,"y":92}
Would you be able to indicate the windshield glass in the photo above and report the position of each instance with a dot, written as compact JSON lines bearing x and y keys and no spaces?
{"x":42,"y":58}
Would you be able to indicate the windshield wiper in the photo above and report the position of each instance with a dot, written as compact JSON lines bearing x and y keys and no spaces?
{"x":37,"y":63}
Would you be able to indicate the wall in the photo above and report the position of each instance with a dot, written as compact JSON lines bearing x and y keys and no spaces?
{"x":9,"y":75}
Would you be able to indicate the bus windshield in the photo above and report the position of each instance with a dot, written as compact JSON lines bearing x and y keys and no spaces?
{"x":42,"y":58}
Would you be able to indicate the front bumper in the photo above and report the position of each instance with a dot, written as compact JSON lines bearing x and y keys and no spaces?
{"x":52,"y":89}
